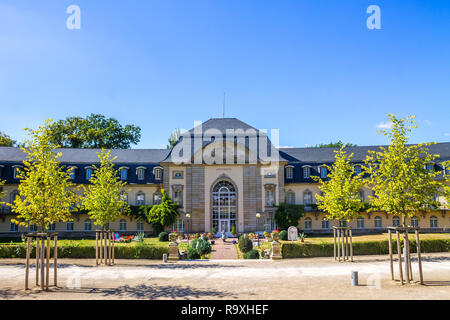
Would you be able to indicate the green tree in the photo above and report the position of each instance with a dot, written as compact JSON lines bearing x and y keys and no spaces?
{"x":338,"y":144}
{"x":94,"y":131}
{"x":5,"y":140}
{"x":163,"y":214}
{"x":46,"y":192}
{"x":103,"y":199}
{"x":399,"y":176}
{"x":341,"y":192}
{"x":174,"y":137}
{"x":287,"y":215}
{"x":446,"y":184}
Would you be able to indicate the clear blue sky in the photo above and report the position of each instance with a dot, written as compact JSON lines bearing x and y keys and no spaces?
{"x":309,"y":68}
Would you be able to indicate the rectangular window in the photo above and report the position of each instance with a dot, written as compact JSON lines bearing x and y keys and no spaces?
{"x":88,"y":173}
{"x":140,"y":174}
{"x":123,"y":174}
{"x":16,"y":172}
{"x":306,"y":172}
{"x":289,"y":173}
{"x":270,"y":198}
{"x":13,"y":227}
{"x":178,"y":198}
{"x":323,"y":172}
{"x":69,"y":226}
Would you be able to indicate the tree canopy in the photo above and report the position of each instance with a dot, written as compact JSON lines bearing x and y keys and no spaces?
{"x":338,"y":144}
{"x":174,"y":137}
{"x":341,"y":192}
{"x":288,"y":215}
{"x":94,"y":131}
{"x":45,"y":190}
{"x":163,"y":214}
{"x":399,"y":175}
{"x":103,"y":199}
{"x":5,"y":140}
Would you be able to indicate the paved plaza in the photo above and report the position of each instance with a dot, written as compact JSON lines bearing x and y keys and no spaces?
{"x":313,"y":278}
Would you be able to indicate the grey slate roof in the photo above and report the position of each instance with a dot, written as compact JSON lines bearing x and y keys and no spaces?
{"x":222,"y":124}
{"x":137,"y":156}
{"x":326,"y":155}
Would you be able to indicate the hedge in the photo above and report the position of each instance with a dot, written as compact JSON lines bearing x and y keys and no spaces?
{"x":325,"y":249}
{"x":88,"y":251}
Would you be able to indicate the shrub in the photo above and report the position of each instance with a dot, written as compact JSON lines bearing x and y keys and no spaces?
{"x":163,"y":237}
{"x":283,"y":235}
{"x":192,"y":253}
{"x":75,"y":250}
{"x":252,"y":254}
{"x":203,"y":246}
{"x":300,"y":250}
{"x":245,"y":244}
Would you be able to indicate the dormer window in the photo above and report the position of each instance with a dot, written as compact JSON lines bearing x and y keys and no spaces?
{"x":289,"y":172}
{"x":157,"y":171}
{"x":358,"y":169}
{"x":323,"y":172}
{"x":429,"y":166}
{"x":123,"y":173}
{"x":306,"y":172}
{"x":140,"y":172}
{"x":16,"y":170}
{"x":89,"y":173}
{"x":72,"y":172}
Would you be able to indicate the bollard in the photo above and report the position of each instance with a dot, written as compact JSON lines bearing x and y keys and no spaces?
{"x":354,"y":278}
{"x":164,"y":257}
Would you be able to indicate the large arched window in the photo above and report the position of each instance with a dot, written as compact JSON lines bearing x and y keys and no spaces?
{"x":13,"y":196}
{"x":123,"y":225}
{"x":414,"y":222}
{"x":433,"y":222}
{"x":87,"y":225}
{"x":307,"y":198}
{"x":308,"y":223}
{"x":360,"y":223}
{"x":157,"y":197}
{"x":124,"y":196}
{"x":140,"y":198}
{"x":396,"y":221}
{"x":378,"y":222}
{"x":224,"y":206}
{"x":290,"y":197}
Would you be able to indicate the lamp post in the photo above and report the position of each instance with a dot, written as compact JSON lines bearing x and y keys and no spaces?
{"x":188,"y":217}
{"x":258,"y":217}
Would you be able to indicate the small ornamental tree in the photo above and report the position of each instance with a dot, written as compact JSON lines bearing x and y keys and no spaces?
{"x":341,"y":192}
{"x":446,"y":186}
{"x":288,"y":215}
{"x":46,"y":192}
{"x":102,"y":199}
{"x":2,"y":193}
{"x":399,"y":176}
{"x":163,"y":214}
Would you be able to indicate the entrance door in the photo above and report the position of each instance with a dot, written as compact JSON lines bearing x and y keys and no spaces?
{"x":224,"y":226}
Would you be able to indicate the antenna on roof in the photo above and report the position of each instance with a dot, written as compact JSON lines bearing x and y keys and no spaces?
{"x":223,"y":106}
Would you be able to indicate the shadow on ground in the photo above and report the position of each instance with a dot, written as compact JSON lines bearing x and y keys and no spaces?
{"x":127,"y":292}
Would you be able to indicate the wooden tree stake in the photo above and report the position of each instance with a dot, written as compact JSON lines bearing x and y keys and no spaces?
{"x":55,"y":262}
{"x":37,"y":261}
{"x":96,"y":248}
{"x":42,"y":264}
{"x":334,"y":248}
{"x":399,"y":249}
{"x":390,"y":254}
{"x":419,"y":257}
{"x":47,"y":274}
{"x":28,"y":263}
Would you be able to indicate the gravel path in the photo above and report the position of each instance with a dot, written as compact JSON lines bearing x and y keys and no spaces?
{"x":313,"y":278}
